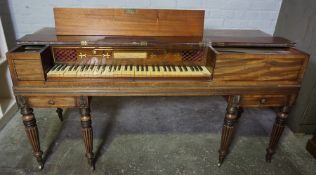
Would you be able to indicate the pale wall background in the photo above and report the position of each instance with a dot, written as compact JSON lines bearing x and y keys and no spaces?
{"x":31,"y":15}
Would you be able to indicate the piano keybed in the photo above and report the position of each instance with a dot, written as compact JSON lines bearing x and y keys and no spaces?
{"x":129,"y":71}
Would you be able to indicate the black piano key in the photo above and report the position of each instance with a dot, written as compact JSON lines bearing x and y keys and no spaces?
{"x":185,"y":68}
{"x":153,"y":68}
{"x":86,"y":67}
{"x":146,"y":68}
{"x":158,"y":68}
{"x":54,"y":67}
{"x":90,"y":67}
{"x":125,"y":67}
{"x":64,"y":67}
{"x":137,"y":67}
{"x":130,"y":67}
{"x":180,"y":68}
{"x":119,"y":67}
{"x":103,"y":68}
{"x":110,"y":68}
{"x":169,"y":68}
{"x":59,"y":67}
{"x":75,"y":68}
{"x":142,"y":68}
{"x":173,"y":68}
{"x":82,"y":68}
{"x":191,"y":68}
{"x":70,"y":68}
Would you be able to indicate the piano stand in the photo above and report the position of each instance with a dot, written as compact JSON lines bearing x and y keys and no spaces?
{"x":233,"y":113}
{"x":277,"y":131}
{"x":31,"y":130}
{"x":60,"y":113}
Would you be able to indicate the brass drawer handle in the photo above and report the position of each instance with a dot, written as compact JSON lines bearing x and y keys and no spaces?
{"x":51,"y":102}
{"x":263,"y":101}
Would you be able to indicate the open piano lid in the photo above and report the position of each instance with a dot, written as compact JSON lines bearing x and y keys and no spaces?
{"x":227,"y":38}
{"x":143,"y":27}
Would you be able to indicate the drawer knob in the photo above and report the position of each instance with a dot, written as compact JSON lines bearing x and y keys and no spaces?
{"x":51,"y":102}
{"x":263,"y":101}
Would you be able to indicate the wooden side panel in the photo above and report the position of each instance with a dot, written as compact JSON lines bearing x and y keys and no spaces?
{"x":258,"y":68}
{"x":259,"y":64}
{"x":129,"y":22}
{"x":28,"y":69}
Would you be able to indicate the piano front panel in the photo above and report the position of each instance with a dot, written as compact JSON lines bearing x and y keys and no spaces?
{"x":134,"y":56}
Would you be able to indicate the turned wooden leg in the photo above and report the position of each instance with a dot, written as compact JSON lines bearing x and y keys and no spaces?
{"x":31,"y":130}
{"x":87,"y":134}
{"x":228,"y":128}
{"x":277,"y":131}
{"x":60,"y":113}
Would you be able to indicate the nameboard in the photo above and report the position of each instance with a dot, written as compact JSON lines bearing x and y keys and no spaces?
{"x":129,"y":22}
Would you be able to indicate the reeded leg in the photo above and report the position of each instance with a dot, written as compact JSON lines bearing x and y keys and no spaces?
{"x":60,"y":113}
{"x":277,"y":131}
{"x":31,"y":130}
{"x":228,"y":128}
{"x":87,"y":134}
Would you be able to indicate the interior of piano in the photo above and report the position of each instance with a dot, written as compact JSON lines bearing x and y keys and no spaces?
{"x":178,"y":63}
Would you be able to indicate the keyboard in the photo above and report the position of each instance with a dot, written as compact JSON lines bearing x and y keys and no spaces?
{"x":128,"y":71}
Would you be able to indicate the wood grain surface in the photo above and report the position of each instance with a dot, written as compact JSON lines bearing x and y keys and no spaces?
{"x":129,"y":22}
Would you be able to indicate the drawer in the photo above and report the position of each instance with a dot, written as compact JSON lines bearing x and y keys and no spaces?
{"x":53,"y":101}
{"x":263,"y":100}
